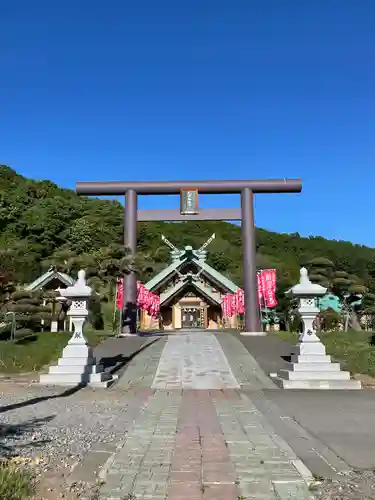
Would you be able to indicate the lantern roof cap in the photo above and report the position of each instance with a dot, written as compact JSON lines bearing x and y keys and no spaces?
{"x":79,"y":290}
{"x":305,"y":288}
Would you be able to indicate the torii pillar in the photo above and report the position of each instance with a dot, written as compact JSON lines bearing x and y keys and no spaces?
{"x":129,"y":316}
{"x":189,"y":211}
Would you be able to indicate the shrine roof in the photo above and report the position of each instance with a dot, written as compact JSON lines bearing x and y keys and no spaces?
{"x":198,"y":259}
{"x":47,"y":277}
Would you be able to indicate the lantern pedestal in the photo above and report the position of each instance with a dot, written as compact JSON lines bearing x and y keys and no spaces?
{"x":310,"y":367}
{"x":77,"y":365}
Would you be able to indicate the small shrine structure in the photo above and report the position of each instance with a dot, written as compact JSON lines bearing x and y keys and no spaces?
{"x":51,"y":281}
{"x":190,"y":292}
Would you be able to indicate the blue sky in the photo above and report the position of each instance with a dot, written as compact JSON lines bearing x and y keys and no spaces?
{"x":198,"y":89}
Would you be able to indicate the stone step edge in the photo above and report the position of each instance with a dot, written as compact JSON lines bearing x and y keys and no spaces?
{"x":350,"y":384}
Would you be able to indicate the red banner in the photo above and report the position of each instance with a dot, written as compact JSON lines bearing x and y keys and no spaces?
{"x":240,"y":301}
{"x":269,"y":287}
{"x":148,"y":301}
{"x":224,"y":306}
{"x":234,"y":303}
{"x":260,"y":290}
{"x":229,"y":305}
{"x":120,"y":293}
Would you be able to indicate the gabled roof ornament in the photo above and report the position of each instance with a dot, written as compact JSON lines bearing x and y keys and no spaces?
{"x":210,"y":239}
{"x":175,"y":252}
{"x":169,"y":244}
{"x":202,"y":252}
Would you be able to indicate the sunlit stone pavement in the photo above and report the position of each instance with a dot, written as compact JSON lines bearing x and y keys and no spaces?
{"x":197,"y":436}
{"x":182,"y":422}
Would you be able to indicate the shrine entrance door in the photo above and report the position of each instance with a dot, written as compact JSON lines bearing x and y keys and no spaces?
{"x":191,"y":317}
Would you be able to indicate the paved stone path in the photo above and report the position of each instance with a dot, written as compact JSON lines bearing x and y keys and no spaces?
{"x":197,"y":437}
{"x":193,"y":361}
{"x":140,"y":372}
{"x":244,"y":367}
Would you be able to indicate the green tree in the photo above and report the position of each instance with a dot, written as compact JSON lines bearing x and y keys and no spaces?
{"x":329,"y":320}
{"x":7,"y":275}
{"x":95,"y":312}
{"x":28,"y":309}
{"x":348,"y":288}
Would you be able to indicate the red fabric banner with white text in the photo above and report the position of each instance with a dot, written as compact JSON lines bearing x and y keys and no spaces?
{"x":146,"y":300}
{"x":234,"y":303}
{"x":120,"y":293}
{"x":268,"y":287}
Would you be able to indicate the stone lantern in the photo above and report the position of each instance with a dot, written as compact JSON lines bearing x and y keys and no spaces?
{"x":307,"y":293}
{"x":77,"y":365}
{"x":311,"y":367}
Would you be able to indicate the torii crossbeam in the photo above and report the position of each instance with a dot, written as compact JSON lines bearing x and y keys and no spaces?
{"x":189,"y":210}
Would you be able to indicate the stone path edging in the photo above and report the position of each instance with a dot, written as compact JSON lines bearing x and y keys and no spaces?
{"x":141,"y":370}
{"x":309,"y":448}
{"x":244,"y":366}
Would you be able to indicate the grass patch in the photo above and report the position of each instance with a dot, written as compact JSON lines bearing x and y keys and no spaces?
{"x":32,"y":353}
{"x":354,"y":350}
{"x":15,"y":483}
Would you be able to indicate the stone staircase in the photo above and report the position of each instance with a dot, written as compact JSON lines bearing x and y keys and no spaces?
{"x":312,"y":368}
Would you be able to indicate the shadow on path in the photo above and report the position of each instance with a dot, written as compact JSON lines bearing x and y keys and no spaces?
{"x":271,"y":352}
{"x":11,"y":433}
{"x":33,"y":401}
{"x":114,"y":364}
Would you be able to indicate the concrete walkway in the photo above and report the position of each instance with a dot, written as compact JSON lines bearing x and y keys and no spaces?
{"x":198,"y":436}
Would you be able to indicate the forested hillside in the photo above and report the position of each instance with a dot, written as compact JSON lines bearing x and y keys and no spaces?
{"x":42,"y":224}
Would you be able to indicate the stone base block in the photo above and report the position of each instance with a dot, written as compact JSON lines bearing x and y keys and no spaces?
{"x":75,"y":368}
{"x":76,"y":361}
{"x":253,"y":334}
{"x":317,"y":367}
{"x":312,"y":358}
{"x":64,"y":379}
{"x":313,"y":375}
{"x":100,"y":380}
{"x":69,"y":374}
{"x":310,"y":349}
{"x":70,"y":369}
{"x":318,"y":384}
{"x":77,"y":350}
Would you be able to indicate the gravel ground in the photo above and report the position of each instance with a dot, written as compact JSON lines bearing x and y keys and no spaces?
{"x":357,"y":485}
{"x":52,"y":432}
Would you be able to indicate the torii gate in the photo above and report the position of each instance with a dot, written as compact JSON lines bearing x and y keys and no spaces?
{"x":189,"y":210}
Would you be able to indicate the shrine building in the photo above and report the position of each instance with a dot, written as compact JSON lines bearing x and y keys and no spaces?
{"x":190,"y":292}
